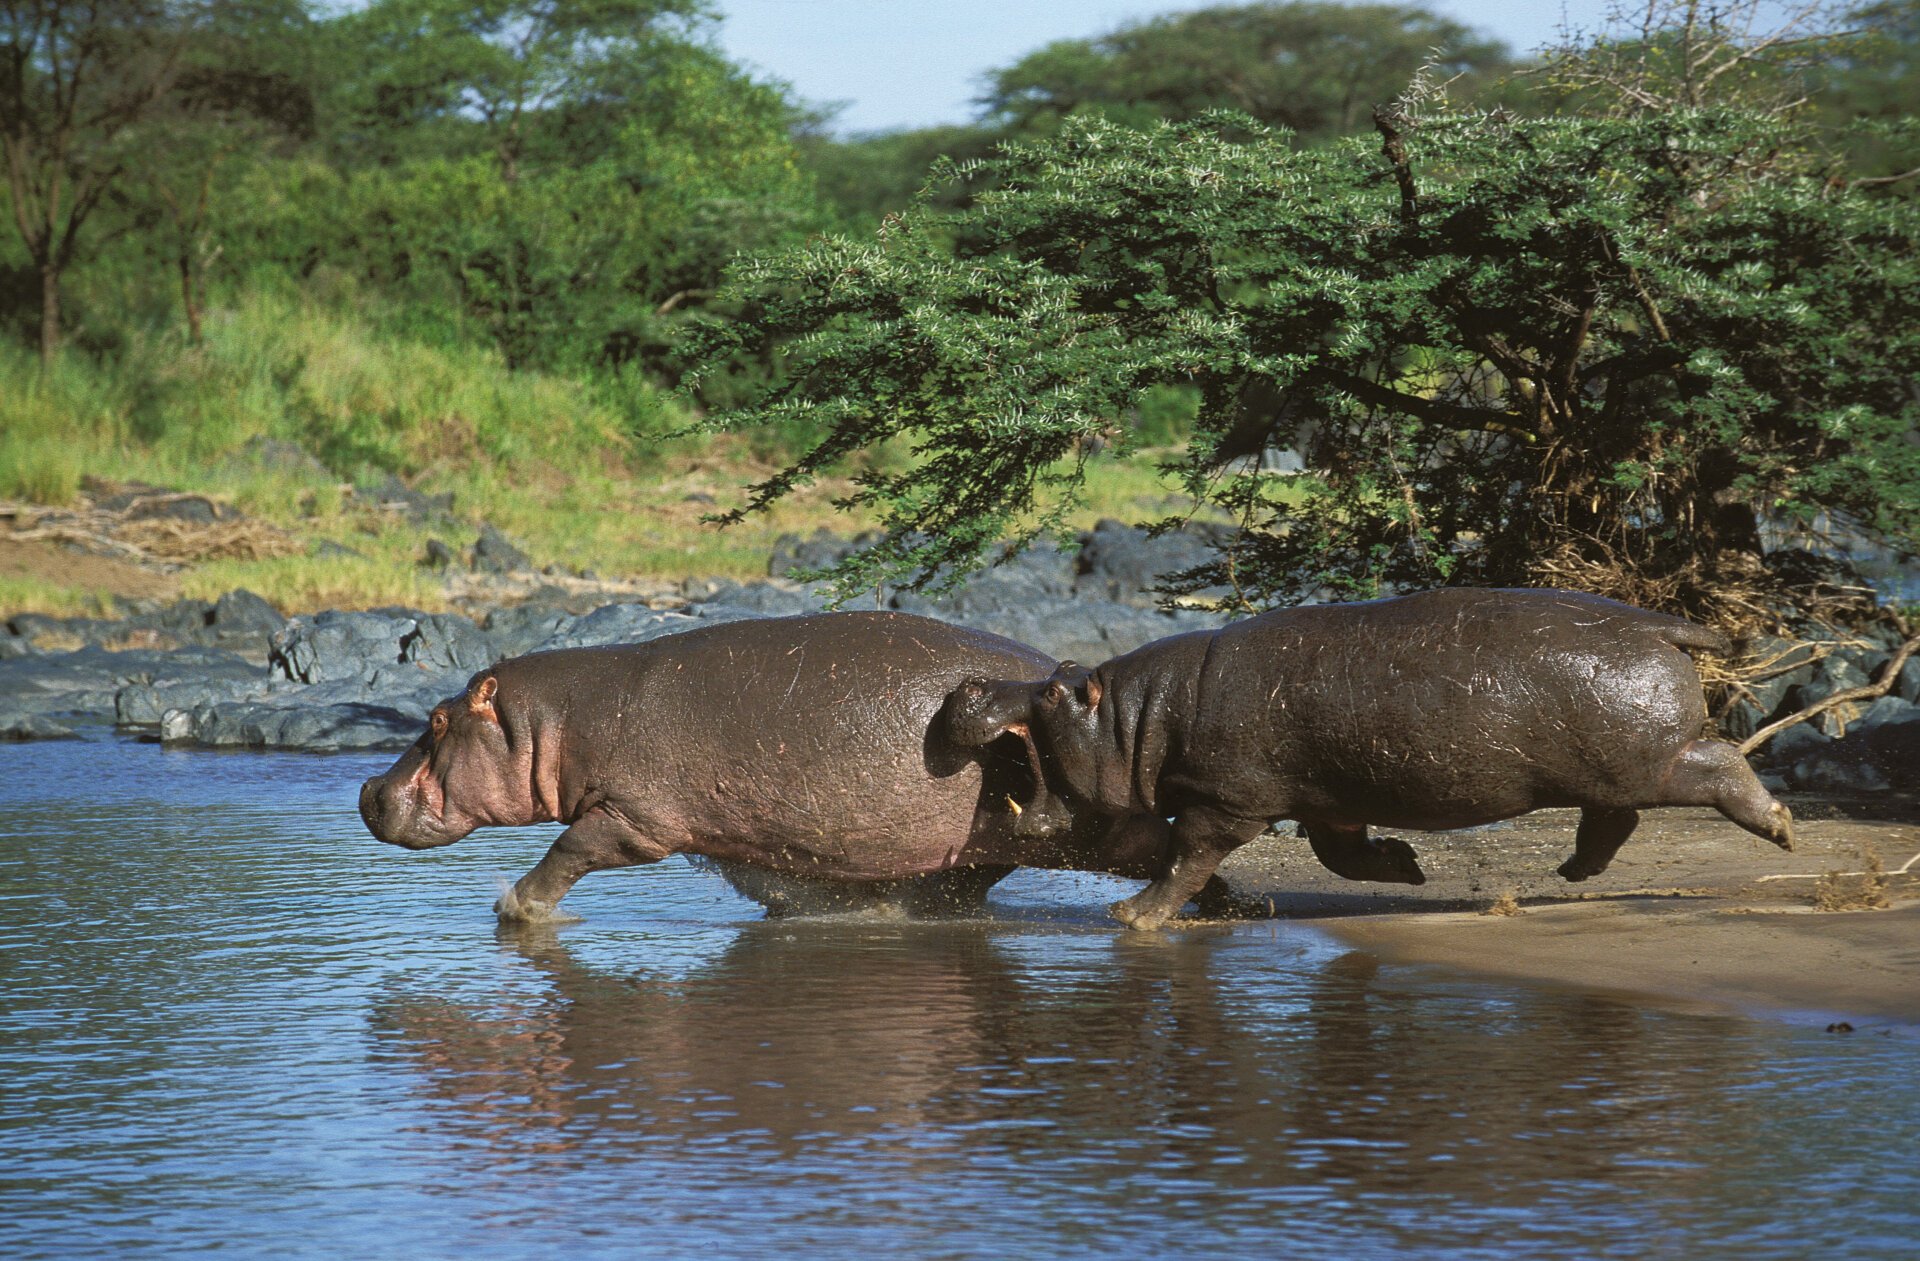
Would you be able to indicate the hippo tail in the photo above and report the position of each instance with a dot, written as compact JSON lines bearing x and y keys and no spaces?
{"x":1684,"y":634}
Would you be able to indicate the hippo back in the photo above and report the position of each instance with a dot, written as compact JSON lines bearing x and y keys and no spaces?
{"x":1445,"y":708}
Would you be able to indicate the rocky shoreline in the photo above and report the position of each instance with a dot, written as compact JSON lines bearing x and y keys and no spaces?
{"x":236,"y":673}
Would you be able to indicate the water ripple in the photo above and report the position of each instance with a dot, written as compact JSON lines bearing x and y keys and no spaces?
{"x":234,"y":1021}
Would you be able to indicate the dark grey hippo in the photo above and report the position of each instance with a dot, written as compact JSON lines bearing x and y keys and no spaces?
{"x":1441,"y":710}
{"x":799,"y":746}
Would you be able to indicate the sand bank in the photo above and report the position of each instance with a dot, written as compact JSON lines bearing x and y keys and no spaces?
{"x":1694,"y":912}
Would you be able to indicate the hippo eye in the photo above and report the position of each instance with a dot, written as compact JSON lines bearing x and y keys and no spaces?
{"x":438,"y":723}
{"x":1056,"y":692}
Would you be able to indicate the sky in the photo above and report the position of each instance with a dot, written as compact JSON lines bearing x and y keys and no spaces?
{"x":918,"y":63}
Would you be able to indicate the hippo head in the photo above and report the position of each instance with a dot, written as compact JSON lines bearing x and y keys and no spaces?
{"x":461,"y":775}
{"x":1057,"y":717}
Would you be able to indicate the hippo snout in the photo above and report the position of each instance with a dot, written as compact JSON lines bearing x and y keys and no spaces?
{"x":373,"y":810}
{"x":394,"y":815}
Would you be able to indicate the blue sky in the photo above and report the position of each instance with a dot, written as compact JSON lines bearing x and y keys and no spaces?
{"x":915,"y":63}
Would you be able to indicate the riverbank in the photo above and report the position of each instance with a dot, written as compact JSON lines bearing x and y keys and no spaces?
{"x":1694,"y":913}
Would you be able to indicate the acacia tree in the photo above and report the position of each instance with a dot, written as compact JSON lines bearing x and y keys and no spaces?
{"x":74,"y":79}
{"x":1593,"y":352}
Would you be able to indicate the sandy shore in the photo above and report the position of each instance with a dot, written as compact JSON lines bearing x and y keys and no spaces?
{"x":1694,"y":912}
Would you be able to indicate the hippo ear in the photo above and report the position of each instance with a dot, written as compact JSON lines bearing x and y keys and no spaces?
{"x":1090,"y":692}
{"x":480,"y":698}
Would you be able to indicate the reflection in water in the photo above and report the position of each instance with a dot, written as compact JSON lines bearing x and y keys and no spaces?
{"x":233,"y":1021}
{"x":1127,"y":1074}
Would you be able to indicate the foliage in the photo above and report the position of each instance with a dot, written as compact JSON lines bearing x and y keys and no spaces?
{"x":1599,"y":351}
{"x":1314,"y":67}
{"x":74,"y":80}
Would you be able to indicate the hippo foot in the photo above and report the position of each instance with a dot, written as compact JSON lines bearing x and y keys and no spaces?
{"x":1574,"y":871}
{"x":1391,"y":860}
{"x":515,"y":909}
{"x":1782,"y":820}
{"x":1217,"y":900}
{"x":1144,"y":911}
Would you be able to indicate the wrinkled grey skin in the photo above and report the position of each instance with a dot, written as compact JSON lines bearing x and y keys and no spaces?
{"x":1441,"y":710}
{"x":797,"y":745}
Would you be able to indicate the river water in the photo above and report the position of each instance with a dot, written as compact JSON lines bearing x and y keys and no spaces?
{"x":233,"y":1021}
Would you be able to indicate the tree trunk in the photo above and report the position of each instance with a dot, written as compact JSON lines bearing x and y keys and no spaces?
{"x":49,"y":313}
{"x":189,"y":295}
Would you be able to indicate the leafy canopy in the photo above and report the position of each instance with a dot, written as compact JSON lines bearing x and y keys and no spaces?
{"x":1597,"y":352}
{"x":1314,"y":67}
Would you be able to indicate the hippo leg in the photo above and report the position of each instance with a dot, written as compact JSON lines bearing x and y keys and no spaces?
{"x":1217,"y":900}
{"x":1202,"y":838}
{"x":1350,"y":853}
{"x":596,"y":842}
{"x":1602,"y":832}
{"x":1712,"y":773}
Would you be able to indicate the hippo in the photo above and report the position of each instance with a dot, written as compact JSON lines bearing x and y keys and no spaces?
{"x":1444,"y":709}
{"x":797,"y":746}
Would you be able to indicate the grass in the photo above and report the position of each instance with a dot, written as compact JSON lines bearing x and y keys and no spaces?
{"x":573,"y":481}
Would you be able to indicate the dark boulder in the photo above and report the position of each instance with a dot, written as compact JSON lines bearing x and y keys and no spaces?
{"x":494,"y":553}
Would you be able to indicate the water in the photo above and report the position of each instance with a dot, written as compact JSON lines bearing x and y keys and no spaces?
{"x":232,"y":1021}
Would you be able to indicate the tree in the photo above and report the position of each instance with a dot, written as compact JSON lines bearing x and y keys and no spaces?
{"x":578,"y":174}
{"x":1688,"y":54}
{"x":74,"y":80}
{"x":237,"y":91}
{"x":1315,"y":68}
{"x":513,"y":67}
{"x":1589,"y":352}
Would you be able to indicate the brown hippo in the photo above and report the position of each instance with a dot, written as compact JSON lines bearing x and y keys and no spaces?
{"x":800,"y":745}
{"x":1446,"y":709}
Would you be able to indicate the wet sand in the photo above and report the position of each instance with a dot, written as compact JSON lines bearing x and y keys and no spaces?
{"x":1685,"y":916}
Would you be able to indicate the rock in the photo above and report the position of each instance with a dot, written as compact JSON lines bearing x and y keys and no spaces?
{"x":494,"y":554}
{"x":1837,"y":772}
{"x":282,"y":457}
{"x":394,"y":495}
{"x":1837,"y":672}
{"x":86,"y":683}
{"x":240,"y":616}
{"x":1088,"y":631}
{"x":143,"y":705}
{"x":1908,"y":686}
{"x":448,"y":642}
{"x":822,"y":550}
{"x":773,"y":598}
{"x":196,"y":509}
{"x":18,"y":728}
{"x":1872,"y":757}
{"x":1042,"y":574}
{"x":324,"y":548}
{"x":524,"y":627}
{"x":316,"y":728}
{"x":334,"y":645}
{"x":636,"y":623}
{"x":1885,"y":709}
{"x":1794,"y":743}
{"x":43,"y":633}
{"x":1121,"y":562}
